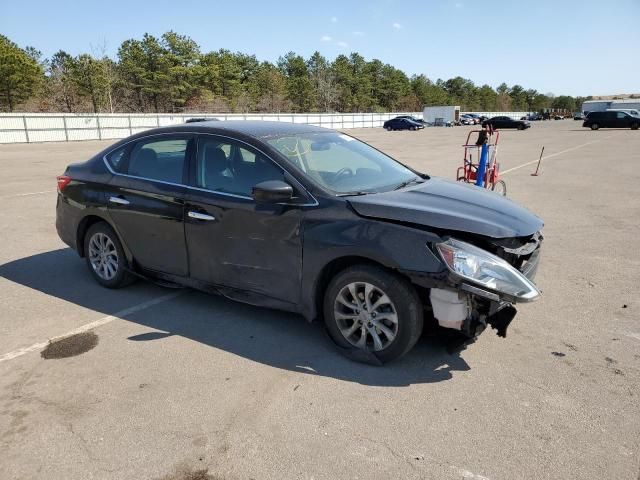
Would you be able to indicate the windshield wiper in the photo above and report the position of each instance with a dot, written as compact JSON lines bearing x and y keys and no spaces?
{"x":409,"y":182}
{"x":353,"y":194}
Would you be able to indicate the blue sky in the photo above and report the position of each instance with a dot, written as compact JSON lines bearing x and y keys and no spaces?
{"x":562,"y":46}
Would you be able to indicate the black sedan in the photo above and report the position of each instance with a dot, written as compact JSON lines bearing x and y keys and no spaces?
{"x":413,"y":119}
{"x":402,"y":123}
{"x":506,"y":122}
{"x":303,"y":219}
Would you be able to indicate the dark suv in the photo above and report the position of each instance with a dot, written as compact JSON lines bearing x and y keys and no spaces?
{"x":611,"y":119}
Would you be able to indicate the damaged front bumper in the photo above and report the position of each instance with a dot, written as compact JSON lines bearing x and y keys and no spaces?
{"x":461,"y":304}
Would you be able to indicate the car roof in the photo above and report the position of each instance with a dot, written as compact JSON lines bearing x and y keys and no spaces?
{"x":251,"y":128}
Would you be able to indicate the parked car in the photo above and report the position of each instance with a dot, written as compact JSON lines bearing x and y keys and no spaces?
{"x":467,"y":120}
{"x":478,"y":118}
{"x":630,"y":111}
{"x":303,"y":219}
{"x":414,"y":119}
{"x":611,"y":119}
{"x":506,"y":122}
{"x":578,"y":116}
{"x":532,"y":118}
{"x":402,"y":124}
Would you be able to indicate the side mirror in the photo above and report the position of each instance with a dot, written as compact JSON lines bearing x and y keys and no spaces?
{"x":272,"y":191}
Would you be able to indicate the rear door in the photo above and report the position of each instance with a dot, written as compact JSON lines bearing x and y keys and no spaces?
{"x":146,"y":200}
{"x":622,"y":119}
{"x":232,"y":240}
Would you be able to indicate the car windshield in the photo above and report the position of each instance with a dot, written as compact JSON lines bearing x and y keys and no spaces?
{"x":342,"y":164}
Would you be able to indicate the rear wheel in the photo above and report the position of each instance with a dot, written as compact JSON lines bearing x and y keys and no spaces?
{"x":500,"y":187}
{"x":520,"y":127}
{"x":105,"y":256}
{"x":595,"y":126}
{"x":369,"y":308}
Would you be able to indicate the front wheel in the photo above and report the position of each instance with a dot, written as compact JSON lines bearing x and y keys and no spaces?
{"x":634,"y":126}
{"x":371,"y":309}
{"x":105,"y":256}
{"x":520,"y":127}
{"x":595,"y":126}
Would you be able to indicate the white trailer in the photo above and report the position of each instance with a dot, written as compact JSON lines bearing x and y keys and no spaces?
{"x":603,"y":105}
{"x":441,"y":115}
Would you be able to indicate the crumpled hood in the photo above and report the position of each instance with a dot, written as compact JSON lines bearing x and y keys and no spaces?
{"x":450,"y":205}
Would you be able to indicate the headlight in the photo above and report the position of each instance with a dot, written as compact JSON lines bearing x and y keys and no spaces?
{"x":485,"y":269}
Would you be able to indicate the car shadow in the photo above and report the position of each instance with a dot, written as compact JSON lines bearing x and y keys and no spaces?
{"x":278,"y":339}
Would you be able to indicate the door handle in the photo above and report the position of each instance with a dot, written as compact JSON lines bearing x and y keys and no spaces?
{"x":200,"y":216}
{"x":119,"y":200}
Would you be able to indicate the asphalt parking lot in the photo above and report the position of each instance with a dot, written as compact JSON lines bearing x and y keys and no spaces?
{"x":178,"y":382}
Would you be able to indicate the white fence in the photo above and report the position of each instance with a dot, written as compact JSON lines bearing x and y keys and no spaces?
{"x":67,"y":127}
{"x":52,"y":127}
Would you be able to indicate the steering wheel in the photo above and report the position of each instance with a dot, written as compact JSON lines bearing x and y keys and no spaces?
{"x":343,"y":171}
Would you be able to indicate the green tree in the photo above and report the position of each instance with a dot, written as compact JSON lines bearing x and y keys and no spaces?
{"x":131,"y":66}
{"x":21,"y":74}
{"x":324,"y":82}
{"x":87,"y":74}
{"x":299,"y":86}
{"x":270,"y":89}
{"x":487,"y":98}
{"x":518,"y":98}
{"x":62,"y":90}
{"x":181,"y":56}
{"x":156,"y":80}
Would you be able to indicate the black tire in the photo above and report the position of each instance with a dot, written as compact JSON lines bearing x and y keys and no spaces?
{"x":595,"y":126}
{"x":405,"y":301}
{"x":122,"y":277}
{"x":520,"y":127}
{"x":500,"y":187}
{"x":634,"y":126}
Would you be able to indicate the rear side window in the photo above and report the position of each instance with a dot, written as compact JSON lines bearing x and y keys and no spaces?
{"x":115,"y":159}
{"x":162,"y":160}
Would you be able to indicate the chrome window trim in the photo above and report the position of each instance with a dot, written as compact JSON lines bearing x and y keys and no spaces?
{"x":314,"y":203}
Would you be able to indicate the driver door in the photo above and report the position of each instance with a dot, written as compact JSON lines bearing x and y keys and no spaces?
{"x":233,"y":241}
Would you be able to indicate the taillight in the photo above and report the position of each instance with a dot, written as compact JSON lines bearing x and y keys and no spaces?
{"x":63,"y":181}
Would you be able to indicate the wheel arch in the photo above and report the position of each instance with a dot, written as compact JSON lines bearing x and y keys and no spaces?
{"x":86,"y":223}
{"x":331,"y":269}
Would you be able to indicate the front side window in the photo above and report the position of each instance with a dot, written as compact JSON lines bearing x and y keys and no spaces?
{"x":621,"y":115}
{"x":228,"y":167}
{"x":162,"y":160}
{"x":341,"y":163}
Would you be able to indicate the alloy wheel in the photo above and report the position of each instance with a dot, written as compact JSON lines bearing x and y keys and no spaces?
{"x":103,"y":256}
{"x":366,"y":316}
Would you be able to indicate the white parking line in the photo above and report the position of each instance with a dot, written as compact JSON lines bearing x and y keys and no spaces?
{"x":91,"y":325}
{"x":27,"y":194}
{"x":561,"y":152}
